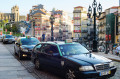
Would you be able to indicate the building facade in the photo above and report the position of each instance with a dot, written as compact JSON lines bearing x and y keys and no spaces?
{"x":15,"y":11}
{"x":80,"y":23}
{"x":61,"y":28}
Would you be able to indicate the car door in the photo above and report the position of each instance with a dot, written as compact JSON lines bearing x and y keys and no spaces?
{"x":52,"y":57}
{"x":35,"y":51}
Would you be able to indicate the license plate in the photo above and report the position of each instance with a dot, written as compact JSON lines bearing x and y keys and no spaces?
{"x":105,"y":73}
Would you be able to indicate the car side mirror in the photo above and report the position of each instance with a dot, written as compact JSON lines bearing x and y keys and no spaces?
{"x":90,"y":51}
{"x":17,"y":44}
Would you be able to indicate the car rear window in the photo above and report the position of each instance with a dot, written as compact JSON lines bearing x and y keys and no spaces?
{"x":30,"y":41}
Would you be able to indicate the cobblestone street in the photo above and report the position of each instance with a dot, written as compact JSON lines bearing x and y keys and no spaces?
{"x":30,"y":66}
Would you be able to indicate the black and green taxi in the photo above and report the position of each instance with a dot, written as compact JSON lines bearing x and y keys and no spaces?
{"x":72,"y":60}
{"x":24,"y":45}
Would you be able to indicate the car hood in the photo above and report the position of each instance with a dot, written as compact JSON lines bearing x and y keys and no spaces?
{"x":88,"y":58}
{"x":28,"y":46}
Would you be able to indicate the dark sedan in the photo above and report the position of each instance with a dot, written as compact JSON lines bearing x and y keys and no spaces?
{"x":72,"y":60}
{"x":24,"y":46}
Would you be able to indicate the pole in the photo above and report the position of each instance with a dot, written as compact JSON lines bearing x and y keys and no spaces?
{"x":94,"y":40}
{"x":106,"y":52}
{"x":52,"y":32}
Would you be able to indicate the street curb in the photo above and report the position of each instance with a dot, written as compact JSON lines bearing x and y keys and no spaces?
{"x":113,"y":59}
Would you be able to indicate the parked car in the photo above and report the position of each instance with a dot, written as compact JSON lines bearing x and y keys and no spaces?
{"x":72,"y":60}
{"x":8,"y":39}
{"x":24,"y":46}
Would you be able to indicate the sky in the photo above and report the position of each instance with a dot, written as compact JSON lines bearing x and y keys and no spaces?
{"x":66,"y":5}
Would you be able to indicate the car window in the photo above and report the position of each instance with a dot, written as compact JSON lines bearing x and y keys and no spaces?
{"x":50,"y":49}
{"x":9,"y":36}
{"x":38,"y":47}
{"x":30,"y":41}
{"x":72,"y":49}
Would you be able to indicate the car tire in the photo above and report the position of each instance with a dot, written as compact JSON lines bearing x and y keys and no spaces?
{"x":37,"y":64}
{"x":3,"y":42}
{"x":70,"y":74}
{"x":20,"y":56}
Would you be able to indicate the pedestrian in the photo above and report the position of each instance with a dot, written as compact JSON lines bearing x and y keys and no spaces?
{"x":43,"y":37}
{"x":118,"y":49}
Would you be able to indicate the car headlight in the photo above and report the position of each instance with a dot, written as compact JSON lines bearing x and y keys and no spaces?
{"x":86,"y":68}
{"x":111,"y":64}
{"x":25,"y":50}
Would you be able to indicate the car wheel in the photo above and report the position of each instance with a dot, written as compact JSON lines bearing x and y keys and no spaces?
{"x":3,"y":42}
{"x":70,"y":74}
{"x":15,"y":51}
{"x":20,"y":56}
{"x":37,"y":64}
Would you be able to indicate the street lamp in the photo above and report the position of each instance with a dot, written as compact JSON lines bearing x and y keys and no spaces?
{"x":99,"y":9}
{"x":108,"y":38}
{"x":34,"y":27}
{"x":52,"y":20}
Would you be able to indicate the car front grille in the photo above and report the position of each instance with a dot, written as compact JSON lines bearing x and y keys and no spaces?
{"x":102,"y":67}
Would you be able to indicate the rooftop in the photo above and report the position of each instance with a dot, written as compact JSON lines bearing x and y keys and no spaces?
{"x":114,"y":7}
{"x":78,"y":7}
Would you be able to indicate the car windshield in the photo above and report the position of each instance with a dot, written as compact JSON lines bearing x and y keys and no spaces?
{"x":29,"y":41}
{"x":9,"y":36}
{"x":72,"y":49}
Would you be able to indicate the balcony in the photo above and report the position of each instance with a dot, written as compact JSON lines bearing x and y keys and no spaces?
{"x":77,"y":31}
{"x":119,"y":14}
{"x":84,"y":31}
{"x":76,"y":18}
{"x":118,"y":23}
{"x":77,"y":11}
{"x":101,"y":24}
{"x":77,"y":24}
{"x":65,"y":30}
{"x":101,"y":32}
{"x":118,"y":40}
{"x":37,"y":28}
{"x":118,"y":32}
{"x":85,"y":37}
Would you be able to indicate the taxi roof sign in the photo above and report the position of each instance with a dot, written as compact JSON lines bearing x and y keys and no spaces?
{"x":68,"y":41}
{"x":28,"y":37}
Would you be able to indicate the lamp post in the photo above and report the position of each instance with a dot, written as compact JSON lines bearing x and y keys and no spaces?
{"x":34,"y":28}
{"x":52,"y":20}
{"x":108,"y":38}
{"x":99,"y":9}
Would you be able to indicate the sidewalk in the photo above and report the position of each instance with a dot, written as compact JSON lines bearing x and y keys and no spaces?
{"x":109,"y":55}
{"x":11,"y":68}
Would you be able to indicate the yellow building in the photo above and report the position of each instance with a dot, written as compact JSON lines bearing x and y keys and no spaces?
{"x":118,"y":26}
{"x":80,"y":22}
{"x":102,"y":29}
{"x":22,"y":18}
